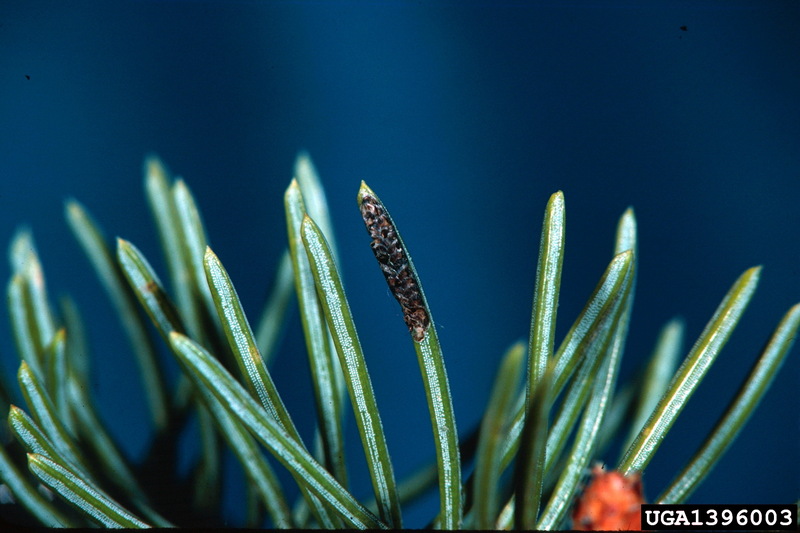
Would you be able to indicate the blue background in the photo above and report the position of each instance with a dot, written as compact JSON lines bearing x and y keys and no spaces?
{"x":464,"y":117}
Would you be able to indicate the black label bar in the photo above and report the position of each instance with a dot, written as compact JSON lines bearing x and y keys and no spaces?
{"x":732,"y":517}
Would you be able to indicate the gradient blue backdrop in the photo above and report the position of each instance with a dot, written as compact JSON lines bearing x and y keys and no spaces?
{"x":464,"y":117}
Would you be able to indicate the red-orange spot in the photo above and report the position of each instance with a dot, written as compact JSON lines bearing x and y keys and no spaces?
{"x":611,"y":501}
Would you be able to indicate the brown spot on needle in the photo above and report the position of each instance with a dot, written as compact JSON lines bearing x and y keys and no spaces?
{"x":393,"y":260}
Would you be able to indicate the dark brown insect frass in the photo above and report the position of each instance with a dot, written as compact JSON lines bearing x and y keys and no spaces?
{"x":393,"y":260}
